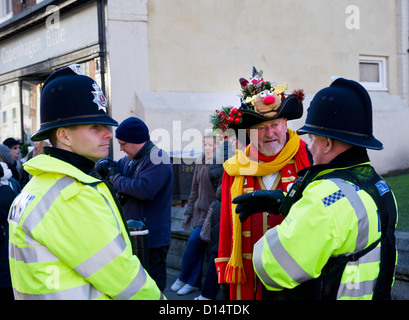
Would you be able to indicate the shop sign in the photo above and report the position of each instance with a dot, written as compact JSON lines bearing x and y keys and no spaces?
{"x":57,"y":36}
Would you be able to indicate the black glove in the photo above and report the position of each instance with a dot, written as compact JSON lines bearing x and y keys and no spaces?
{"x":1,"y":171}
{"x":107,"y":170}
{"x":258,"y":201}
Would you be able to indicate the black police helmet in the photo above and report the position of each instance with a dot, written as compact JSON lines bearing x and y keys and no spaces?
{"x":70,"y":98}
{"x":343,"y":111}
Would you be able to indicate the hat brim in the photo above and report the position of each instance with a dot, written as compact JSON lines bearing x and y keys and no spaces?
{"x":290,"y":109}
{"x":369,"y":142}
{"x":44,"y":131}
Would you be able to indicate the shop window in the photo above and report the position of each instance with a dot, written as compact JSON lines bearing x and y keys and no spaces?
{"x":372,"y":73}
{"x":10,"y":110}
{"x":31,"y":108}
{"x":5,"y":10}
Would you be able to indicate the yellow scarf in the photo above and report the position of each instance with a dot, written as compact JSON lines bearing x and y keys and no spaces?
{"x":239,"y":167}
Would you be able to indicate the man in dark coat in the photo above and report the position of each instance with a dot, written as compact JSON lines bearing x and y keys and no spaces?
{"x":144,"y":181}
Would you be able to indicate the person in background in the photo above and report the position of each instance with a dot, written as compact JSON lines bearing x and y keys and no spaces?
{"x":36,"y":150}
{"x":201,"y":196}
{"x":223,"y":152}
{"x":68,"y":238}
{"x":6,"y":157}
{"x":144,"y":182}
{"x":16,"y":167}
{"x":9,"y":160}
{"x":9,"y":189}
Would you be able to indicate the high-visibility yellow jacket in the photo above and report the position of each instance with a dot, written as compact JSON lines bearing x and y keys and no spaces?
{"x":333,"y":217}
{"x":68,"y":241}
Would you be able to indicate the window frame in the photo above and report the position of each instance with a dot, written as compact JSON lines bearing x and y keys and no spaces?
{"x":4,"y":16}
{"x":380,"y":85}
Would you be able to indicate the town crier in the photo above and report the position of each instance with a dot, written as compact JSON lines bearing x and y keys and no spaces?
{"x":269,"y":162}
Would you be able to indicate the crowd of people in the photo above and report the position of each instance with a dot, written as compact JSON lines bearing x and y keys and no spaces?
{"x":280,"y":219}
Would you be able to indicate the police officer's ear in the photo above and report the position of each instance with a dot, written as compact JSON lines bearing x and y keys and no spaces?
{"x":334,"y":147}
{"x":63,"y":136}
{"x":328,"y":145}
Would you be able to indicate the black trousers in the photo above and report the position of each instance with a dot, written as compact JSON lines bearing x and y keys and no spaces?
{"x":157,"y":265}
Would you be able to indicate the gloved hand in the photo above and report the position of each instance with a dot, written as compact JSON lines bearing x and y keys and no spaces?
{"x":113,"y":173}
{"x":101,"y":167}
{"x":187,"y":222}
{"x":107,"y":170}
{"x":187,"y":219}
{"x":1,"y":172}
{"x":258,"y":201}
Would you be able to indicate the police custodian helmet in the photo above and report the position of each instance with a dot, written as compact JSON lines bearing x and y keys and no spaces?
{"x":343,"y":111}
{"x":70,"y":98}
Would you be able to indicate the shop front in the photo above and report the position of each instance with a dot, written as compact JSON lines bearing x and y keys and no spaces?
{"x":55,"y":36}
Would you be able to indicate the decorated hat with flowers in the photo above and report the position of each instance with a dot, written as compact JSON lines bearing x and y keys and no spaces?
{"x":261,"y":101}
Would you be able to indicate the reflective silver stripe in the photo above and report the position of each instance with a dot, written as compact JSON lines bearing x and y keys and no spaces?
{"x":137,"y":284}
{"x":356,"y":290}
{"x":291,"y":267}
{"x":112,"y":211}
{"x":259,"y":267}
{"x":363,"y":223}
{"x":372,"y":256}
{"x":102,"y":257}
{"x":42,"y":207}
{"x":84,"y":292}
{"x":31,"y":254}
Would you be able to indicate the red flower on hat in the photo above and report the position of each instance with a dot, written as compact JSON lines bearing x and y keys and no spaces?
{"x":223,"y":118}
{"x":300,"y":96}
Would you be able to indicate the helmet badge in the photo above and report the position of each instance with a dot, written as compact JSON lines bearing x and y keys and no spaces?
{"x":99,"y":98}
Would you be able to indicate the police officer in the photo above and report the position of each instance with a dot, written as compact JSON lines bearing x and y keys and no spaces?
{"x":337,"y":240}
{"x":67,"y":236}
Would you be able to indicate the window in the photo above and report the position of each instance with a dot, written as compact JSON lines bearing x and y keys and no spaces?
{"x":372,"y":73}
{"x":31,"y":107}
{"x":5,"y":10}
{"x":10,"y":125}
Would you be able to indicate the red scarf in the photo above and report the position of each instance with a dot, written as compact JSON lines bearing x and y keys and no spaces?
{"x":301,"y":158}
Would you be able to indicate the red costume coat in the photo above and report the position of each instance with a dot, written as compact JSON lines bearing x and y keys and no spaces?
{"x":254,"y":227}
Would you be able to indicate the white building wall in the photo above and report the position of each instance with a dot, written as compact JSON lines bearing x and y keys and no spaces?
{"x":128,"y":56}
{"x":176,"y":61}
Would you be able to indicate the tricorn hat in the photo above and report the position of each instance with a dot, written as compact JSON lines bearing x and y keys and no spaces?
{"x":260,"y":101}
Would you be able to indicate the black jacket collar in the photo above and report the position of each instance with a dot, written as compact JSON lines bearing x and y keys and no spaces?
{"x":80,"y":162}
